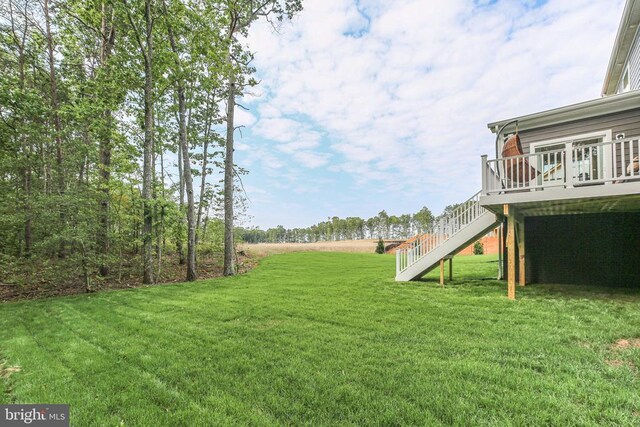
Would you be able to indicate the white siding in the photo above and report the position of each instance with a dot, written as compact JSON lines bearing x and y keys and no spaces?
{"x":633,"y":62}
{"x":627,"y":122}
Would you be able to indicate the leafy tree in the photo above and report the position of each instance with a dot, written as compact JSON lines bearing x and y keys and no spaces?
{"x":336,"y":228}
{"x":423,"y":219}
{"x":383,"y":223}
{"x":180,"y":72}
{"x":141,"y":21}
{"x":92,"y":95}
{"x":240,"y":15}
{"x":380,"y":246}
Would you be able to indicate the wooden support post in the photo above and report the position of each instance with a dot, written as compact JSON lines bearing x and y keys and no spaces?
{"x":501,"y":251}
{"x":521,"y":254}
{"x":511,"y":252}
{"x":451,"y":268}
{"x":442,"y":272}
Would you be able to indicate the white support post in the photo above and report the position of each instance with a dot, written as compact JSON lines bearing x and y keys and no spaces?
{"x":632,"y":156}
{"x":624,"y":162}
{"x":613,"y":164}
{"x":568,"y":164}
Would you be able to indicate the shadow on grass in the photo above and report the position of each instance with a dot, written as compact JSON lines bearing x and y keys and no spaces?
{"x":538,"y":290}
{"x":464,"y":281}
{"x":600,"y":292}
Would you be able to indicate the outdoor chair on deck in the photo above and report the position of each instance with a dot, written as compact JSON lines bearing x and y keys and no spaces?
{"x":633,"y":170}
{"x":634,"y":167}
{"x":519,"y":173}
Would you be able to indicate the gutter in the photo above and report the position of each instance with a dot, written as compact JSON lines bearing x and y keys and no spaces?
{"x":583,"y":110}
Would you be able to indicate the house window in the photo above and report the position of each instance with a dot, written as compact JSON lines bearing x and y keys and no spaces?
{"x":589,"y":162}
{"x":586,"y":161}
{"x":625,"y":83}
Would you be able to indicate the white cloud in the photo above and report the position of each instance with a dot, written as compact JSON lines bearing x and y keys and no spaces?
{"x":278,"y":129}
{"x":311,"y":159}
{"x":244,"y":118}
{"x":407,"y":86}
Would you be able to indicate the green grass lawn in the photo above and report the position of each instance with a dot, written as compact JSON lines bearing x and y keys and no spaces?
{"x":326,"y":338}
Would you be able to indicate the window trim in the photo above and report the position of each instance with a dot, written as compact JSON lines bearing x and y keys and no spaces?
{"x":605,"y":134}
{"x":625,"y":74}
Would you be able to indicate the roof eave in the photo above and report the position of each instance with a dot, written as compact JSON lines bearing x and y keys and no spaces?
{"x":583,"y":110}
{"x":621,"y":47}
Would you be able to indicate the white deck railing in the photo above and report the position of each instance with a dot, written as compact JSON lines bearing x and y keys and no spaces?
{"x":439,"y":232}
{"x":604,"y":162}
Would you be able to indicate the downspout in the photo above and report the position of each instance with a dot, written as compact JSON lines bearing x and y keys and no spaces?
{"x":501,"y":230}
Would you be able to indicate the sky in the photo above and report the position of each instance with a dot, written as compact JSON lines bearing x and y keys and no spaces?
{"x":367,"y":105}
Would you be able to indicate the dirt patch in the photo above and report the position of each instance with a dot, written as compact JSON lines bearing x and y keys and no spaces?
{"x":616,"y":352}
{"x":7,"y":371}
{"x":623,"y":344}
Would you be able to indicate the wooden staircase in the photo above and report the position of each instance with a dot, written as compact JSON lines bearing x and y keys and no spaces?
{"x":448,"y":236}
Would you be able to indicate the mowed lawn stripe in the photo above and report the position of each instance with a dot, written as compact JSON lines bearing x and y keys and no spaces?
{"x":93,"y":364}
{"x":175,"y":371}
{"x":325,"y":338}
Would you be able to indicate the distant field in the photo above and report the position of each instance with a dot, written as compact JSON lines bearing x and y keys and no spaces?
{"x":264,"y":249}
{"x":490,"y":244}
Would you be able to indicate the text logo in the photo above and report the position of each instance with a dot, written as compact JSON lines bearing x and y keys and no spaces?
{"x":34,"y":415}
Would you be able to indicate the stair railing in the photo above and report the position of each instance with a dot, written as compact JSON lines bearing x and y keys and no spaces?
{"x":441,"y":230}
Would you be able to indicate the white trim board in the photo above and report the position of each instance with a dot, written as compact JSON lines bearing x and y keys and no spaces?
{"x":605,"y":134}
{"x":583,"y":110}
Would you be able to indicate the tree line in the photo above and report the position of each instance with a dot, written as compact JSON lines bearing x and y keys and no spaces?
{"x":100,"y":102}
{"x":382,"y":225}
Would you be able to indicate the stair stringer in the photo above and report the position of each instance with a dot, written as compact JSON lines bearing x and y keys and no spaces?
{"x":463,"y":238}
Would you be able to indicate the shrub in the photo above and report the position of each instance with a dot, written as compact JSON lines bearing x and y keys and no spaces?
{"x":380,"y":247}
{"x":478,"y":249}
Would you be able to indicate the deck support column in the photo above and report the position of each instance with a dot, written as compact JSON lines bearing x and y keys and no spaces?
{"x":451,"y":268}
{"x":521,"y":254}
{"x":442,"y":272}
{"x":511,"y":252}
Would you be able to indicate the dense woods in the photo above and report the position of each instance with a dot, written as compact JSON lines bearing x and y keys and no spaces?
{"x":116,"y":132}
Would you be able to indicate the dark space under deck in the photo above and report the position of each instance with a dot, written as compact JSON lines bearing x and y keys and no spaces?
{"x":586,"y":249}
